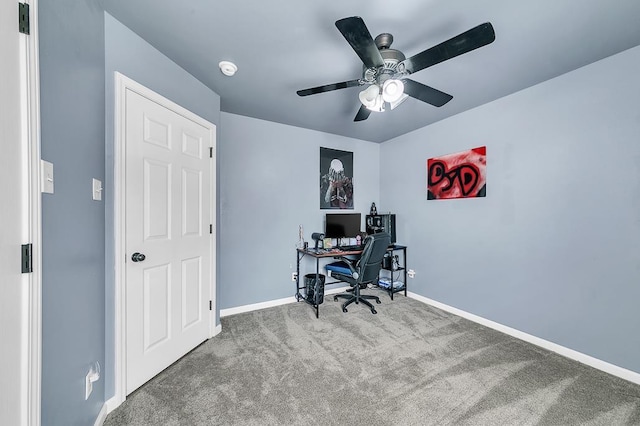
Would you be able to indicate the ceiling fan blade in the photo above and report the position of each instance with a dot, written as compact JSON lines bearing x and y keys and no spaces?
{"x":357,"y":35}
{"x":363,"y":113}
{"x":470,"y":40}
{"x":328,"y":87}
{"x":425,"y":93}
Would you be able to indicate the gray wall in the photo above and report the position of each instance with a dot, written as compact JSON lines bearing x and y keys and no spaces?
{"x":553,"y":248}
{"x":72,"y":126}
{"x":130,"y":55}
{"x":269,"y":184}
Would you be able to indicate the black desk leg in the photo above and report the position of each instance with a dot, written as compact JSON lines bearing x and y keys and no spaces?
{"x":316,"y":287}
{"x":298,"y":295}
{"x":298,"y":257}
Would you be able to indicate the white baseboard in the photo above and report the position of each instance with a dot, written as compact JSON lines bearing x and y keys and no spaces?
{"x":612,"y":369}
{"x":217,"y":330}
{"x":271,"y":303}
{"x":102,"y":415}
{"x":112,"y":403}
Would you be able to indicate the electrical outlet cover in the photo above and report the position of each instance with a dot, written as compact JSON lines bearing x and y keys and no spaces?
{"x":92,"y":376}
{"x":88,"y":386}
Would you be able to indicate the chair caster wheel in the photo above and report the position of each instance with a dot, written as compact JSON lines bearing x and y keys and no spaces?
{"x":335,"y":298}
{"x":373,"y":311}
{"x":378,"y":301}
{"x":344,"y":309}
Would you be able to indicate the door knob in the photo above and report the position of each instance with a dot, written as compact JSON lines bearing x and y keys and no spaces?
{"x":138,"y":257}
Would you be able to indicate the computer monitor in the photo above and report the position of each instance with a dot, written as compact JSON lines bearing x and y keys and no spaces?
{"x":342,"y":225}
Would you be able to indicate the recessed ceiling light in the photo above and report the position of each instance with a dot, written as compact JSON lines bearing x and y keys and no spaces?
{"x":228,"y":68}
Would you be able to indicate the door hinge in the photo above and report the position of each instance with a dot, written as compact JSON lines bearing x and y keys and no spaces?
{"x":211,"y":229}
{"x":210,"y":305}
{"x":23,"y":18}
{"x":27,"y":265}
{"x":210,"y":152}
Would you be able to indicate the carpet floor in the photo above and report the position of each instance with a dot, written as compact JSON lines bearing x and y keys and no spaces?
{"x":411,"y":364}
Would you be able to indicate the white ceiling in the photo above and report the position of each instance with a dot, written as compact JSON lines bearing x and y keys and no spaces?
{"x":281,"y":46}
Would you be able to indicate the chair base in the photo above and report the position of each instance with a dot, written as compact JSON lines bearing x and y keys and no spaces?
{"x":357,"y":298}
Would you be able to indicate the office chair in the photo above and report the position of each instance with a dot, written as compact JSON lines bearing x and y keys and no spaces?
{"x":365,"y":271}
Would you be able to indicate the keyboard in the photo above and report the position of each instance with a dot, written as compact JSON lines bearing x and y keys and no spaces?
{"x":350,"y":248}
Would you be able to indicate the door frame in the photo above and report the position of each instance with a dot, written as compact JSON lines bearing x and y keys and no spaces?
{"x":122,"y":84}
{"x":35,"y":219}
{"x":29,"y":367}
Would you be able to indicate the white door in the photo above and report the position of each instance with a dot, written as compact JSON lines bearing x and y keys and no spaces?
{"x":167,"y":219}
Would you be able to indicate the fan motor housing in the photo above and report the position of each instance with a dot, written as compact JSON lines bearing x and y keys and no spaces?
{"x":391,"y":57}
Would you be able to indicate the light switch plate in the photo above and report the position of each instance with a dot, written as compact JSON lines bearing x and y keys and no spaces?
{"x":47,"y":177}
{"x":97,"y":189}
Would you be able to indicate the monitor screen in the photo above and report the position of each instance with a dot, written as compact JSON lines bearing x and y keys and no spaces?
{"x":342,"y":225}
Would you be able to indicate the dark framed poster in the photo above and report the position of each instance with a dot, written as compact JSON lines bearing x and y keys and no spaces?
{"x":336,"y":179}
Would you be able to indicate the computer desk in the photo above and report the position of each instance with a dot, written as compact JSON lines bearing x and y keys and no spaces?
{"x":318,"y":254}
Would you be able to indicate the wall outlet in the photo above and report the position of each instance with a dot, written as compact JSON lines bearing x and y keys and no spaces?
{"x":92,"y":376}
{"x":294,"y":276}
{"x":411,"y":273}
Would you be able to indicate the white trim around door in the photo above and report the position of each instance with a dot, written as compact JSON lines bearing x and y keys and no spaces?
{"x":20,"y":374}
{"x":35,"y":218}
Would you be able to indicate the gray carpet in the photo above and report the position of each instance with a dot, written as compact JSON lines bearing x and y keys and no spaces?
{"x":411,"y":364}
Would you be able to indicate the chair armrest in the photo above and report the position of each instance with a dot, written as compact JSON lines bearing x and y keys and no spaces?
{"x":349,"y":263}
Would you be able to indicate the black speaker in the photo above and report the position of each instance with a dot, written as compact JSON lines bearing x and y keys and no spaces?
{"x":387,"y":262}
{"x":382,"y":223}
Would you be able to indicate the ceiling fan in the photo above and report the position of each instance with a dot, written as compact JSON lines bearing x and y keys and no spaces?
{"x":386,"y":70}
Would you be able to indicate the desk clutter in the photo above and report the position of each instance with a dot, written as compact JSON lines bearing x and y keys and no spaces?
{"x":370,"y":259}
{"x":337,"y":251}
{"x":385,"y":283}
{"x":343,"y":243}
{"x":390,"y":275}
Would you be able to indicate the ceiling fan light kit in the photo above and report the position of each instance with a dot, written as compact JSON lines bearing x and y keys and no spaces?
{"x":386,"y":70}
{"x":374,"y":97}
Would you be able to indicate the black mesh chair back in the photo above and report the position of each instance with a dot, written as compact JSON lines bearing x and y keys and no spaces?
{"x":368,"y":266}
{"x":365,"y":271}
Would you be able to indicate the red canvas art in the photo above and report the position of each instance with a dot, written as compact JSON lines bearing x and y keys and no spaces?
{"x":459,"y":175}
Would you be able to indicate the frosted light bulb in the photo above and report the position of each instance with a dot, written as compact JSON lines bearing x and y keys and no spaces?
{"x":392,"y":90}
{"x":368,"y":96}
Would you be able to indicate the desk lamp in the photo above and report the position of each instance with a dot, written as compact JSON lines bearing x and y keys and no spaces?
{"x":317,"y":236}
